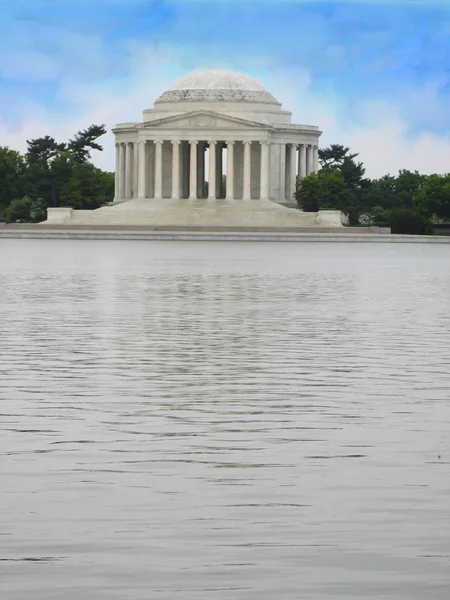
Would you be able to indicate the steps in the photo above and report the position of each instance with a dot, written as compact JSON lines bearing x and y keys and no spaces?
{"x":196,"y":213}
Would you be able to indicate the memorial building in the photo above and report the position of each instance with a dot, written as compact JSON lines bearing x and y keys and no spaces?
{"x":216,"y":149}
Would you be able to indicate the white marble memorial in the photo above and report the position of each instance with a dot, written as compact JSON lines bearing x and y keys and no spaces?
{"x":170,"y":166}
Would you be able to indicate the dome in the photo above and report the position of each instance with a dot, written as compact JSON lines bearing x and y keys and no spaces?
{"x":217,"y":86}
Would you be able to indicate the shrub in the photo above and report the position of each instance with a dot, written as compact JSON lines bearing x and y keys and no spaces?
{"x":409,"y":221}
{"x":18,"y":210}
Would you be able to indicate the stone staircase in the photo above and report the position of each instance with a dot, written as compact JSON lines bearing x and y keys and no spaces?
{"x":193,"y":213}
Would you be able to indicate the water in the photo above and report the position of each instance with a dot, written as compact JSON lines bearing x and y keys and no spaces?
{"x":224,"y":421}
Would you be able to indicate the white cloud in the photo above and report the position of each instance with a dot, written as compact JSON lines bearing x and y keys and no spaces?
{"x":381,"y":134}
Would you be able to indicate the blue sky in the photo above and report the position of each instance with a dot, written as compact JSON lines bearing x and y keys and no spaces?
{"x":373,"y":74}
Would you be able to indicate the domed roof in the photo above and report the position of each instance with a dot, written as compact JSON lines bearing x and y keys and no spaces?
{"x":224,"y":86}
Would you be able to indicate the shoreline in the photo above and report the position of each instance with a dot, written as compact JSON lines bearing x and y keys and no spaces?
{"x":201,"y":234}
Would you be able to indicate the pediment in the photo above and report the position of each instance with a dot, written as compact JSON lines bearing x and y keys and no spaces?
{"x":204,"y":120}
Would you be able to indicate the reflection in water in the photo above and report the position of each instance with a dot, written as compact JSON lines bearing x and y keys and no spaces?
{"x":201,"y":420}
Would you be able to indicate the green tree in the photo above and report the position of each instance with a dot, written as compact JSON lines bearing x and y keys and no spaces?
{"x":38,"y":210}
{"x":381,"y":193}
{"x":87,"y":187}
{"x":407,"y":185}
{"x":334,"y":191}
{"x":12,"y":176}
{"x":40,"y":155}
{"x":86,"y":140}
{"x":338,"y":158}
{"x":408,"y":220}
{"x":307,"y":193}
{"x":433,"y":199}
{"x":325,"y":190}
{"x":19,"y":210}
{"x":334,"y":155}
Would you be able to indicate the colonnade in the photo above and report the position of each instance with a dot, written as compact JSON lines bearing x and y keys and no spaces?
{"x":176,"y":169}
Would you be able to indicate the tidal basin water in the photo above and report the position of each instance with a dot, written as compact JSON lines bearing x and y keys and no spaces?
{"x":224,"y":421}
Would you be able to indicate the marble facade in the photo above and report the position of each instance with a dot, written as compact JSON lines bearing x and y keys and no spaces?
{"x":209,"y":124}
{"x":170,"y":166}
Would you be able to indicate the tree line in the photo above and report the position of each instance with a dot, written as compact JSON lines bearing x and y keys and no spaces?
{"x":408,"y":202}
{"x":51,"y":174}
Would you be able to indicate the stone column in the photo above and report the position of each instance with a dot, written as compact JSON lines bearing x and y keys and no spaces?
{"x":193,"y":172}
{"x":247,"y":171}
{"x":212,"y":171}
{"x":316,"y":159}
{"x":230,"y":171}
{"x":265,"y":170}
{"x":310,"y":159}
{"x":158,"y":169}
{"x":135,"y":169}
{"x":116,"y":175}
{"x":176,"y":169}
{"x":293,"y":177}
{"x":128,"y":170}
{"x":201,"y":169}
{"x":302,"y":161}
{"x":121,"y":171}
{"x":219,"y":169}
{"x":142,"y":170}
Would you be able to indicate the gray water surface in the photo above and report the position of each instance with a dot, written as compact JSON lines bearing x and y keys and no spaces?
{"x":224,"y":421}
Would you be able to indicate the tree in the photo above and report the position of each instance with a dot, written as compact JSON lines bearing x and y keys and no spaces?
{"x":334,"y":155}
{"x":335,"y":193}
{"x":84,"y":141}
{"x":62,"y":174}
{"x":381,"y":193}
{"x":408,"y":220}
{"x":19,"y":210}
{"x":53,"y":174}
{"x":433,"y":199}
{"x":307,"y":193}
{"x":88,"y":187}
{"x":38,"y":210}
{"x":338,"y":158}
{"x":12,"y":176}
{"x":407,"y":185}
{"x":325,"y":190}
{"x":41,"y":153}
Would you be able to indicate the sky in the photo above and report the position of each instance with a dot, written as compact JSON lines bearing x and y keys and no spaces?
{"x":372,"y":74}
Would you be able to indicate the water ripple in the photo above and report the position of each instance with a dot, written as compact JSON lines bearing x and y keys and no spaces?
{"x":222,"y":421}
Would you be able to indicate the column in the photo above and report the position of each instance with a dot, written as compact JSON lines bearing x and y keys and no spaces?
{"x":158,"y":169}
{"x":193,"y":172}
{"x":282,"y":173}
{"x":176,"y":169}
{"x":302,"y":160}
{"x":316,"y":159}
{"x":265,"y":170}
{"x":212,"y":171}
{"x":116,"y":174}
{"x":247,"y":171}
{"x":184,"y":170}
{"x":135,"y":169}
{"x":293,"y":177}
{"x":309,"y":160}
{"x":201,"y":169}
{"x":121,"y":171}
{"x":128,"y":170}
{"x":230,"y":171}
{"x":219,"y":169}
{"x":142,"y":170}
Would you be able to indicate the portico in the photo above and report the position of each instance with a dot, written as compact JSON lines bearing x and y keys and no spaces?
{"x":196,"y":168}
